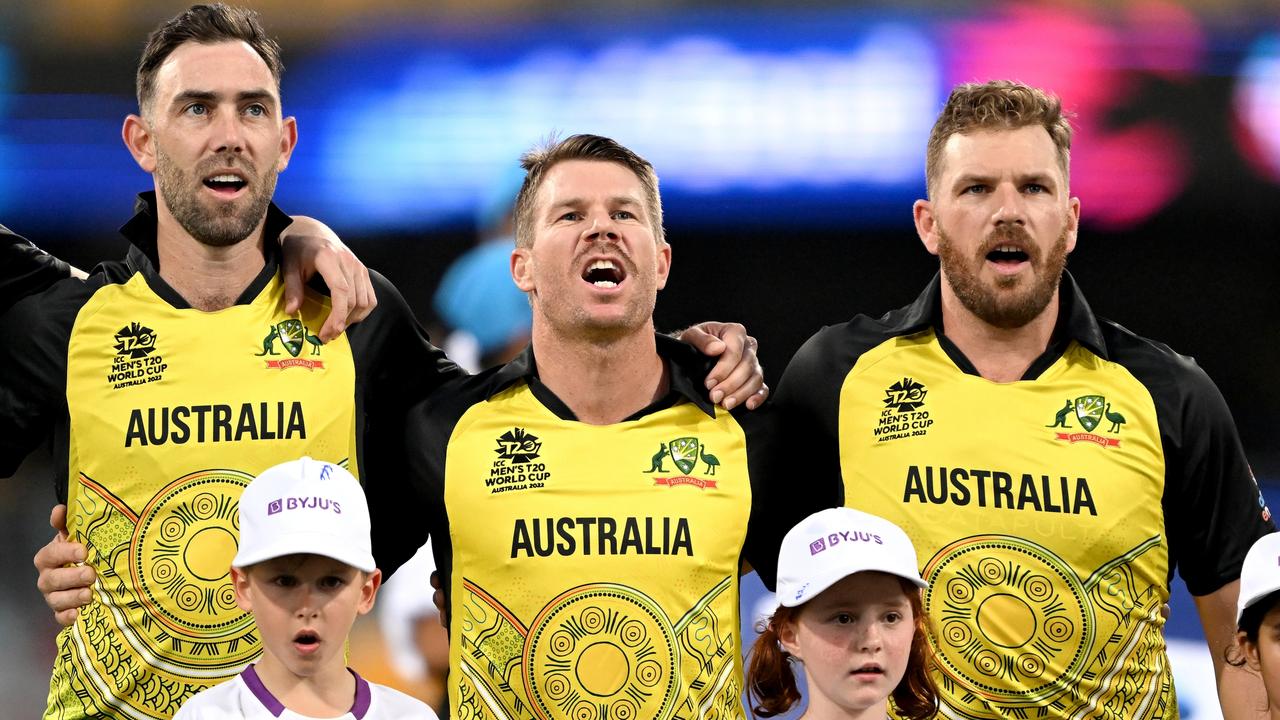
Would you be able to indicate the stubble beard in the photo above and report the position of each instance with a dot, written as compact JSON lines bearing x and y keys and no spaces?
{"x":224,"y":224}
{"x":1003,"y":305}
{"x":571,"y":320}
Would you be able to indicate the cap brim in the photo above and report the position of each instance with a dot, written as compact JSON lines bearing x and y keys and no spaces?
{"x":819,"y":584}
{"x":306,"y":544}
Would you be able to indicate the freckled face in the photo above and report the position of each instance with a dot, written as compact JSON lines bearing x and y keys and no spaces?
{"x":854,"y":639}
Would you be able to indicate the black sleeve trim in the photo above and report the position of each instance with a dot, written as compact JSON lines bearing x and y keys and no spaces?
{"x":1212,"y":507}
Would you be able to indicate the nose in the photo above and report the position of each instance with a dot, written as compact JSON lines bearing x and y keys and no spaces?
{"x":871,"y":637}
{"x":603,"y":228}
{"x":308,"y":604}
{"x":1010,"y":206}
{"x":228,"y":134}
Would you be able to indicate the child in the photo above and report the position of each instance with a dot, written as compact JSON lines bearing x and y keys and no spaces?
{"x":305,"y":570}
{"x":1258,"y":617}
{"x":850,"y":612}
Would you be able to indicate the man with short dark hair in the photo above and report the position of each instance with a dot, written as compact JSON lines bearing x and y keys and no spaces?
{"x":170,"y":379}
{"x":1048,"y":538}
{"x":584,"y":579}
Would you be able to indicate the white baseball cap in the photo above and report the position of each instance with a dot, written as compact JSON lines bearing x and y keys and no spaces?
{"x":832,"y":544}
{"x":1260,"y":575}
{"x":305,"y":506}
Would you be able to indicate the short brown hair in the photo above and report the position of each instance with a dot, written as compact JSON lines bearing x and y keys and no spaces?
{"x":772,"y":684}
{"x":205,"y":24}
{"x":540,"y":160}
{"x":997,"y":105}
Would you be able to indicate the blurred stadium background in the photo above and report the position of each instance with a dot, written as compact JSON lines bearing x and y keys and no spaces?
{"x":789,"y":137}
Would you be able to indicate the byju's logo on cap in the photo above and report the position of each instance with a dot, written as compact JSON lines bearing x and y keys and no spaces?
{"x":817,"y":546}
{"x":303,"y":503}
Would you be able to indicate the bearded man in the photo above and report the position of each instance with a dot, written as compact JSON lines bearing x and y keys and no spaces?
{"x":1048,"y":546}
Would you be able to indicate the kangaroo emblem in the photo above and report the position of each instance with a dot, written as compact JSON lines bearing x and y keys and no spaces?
{"x":1060,"y":420}
{"x":268,"y":344}
{"x":657,"y":460}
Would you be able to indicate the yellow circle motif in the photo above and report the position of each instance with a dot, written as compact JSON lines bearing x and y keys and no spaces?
{"x":601,"y":651}
{"x":1014,"y":623}
{"x":180,"y":558}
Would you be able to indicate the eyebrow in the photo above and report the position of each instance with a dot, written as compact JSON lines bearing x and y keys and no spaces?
{"x":255,"y":95}
{"x":1020,"y":178}
{"x":576,"y":202}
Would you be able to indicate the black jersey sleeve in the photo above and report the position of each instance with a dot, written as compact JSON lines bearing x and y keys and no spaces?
{"x":781,"y":494}
{"x":25,"y":269}
{"x":396,"y":366}
{"x":1213,"y":508}
{"x":807,"y":404}
{"x":34,"y":335}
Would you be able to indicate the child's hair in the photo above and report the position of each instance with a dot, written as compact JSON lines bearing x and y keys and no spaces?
{"x":1250,"y":623}
{"x":772,"y":684}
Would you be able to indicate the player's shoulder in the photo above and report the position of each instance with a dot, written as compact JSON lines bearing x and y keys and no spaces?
{"x":1159,"y":367}
{"x":442,"y":408}
{"x":835,"y":349}
{"x":388,"y":703}
{"x":1185,"y":397}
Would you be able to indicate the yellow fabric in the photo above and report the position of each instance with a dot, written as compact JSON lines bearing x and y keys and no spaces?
{"x":1045,"y":549}
{"x":161,"y":445}
{"x":552,"y":616}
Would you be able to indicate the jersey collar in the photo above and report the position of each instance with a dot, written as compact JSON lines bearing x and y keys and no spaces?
{"x":1076,"y":321}
{"x":359,"y":708}
{"x":686,"y":369}
{"x":140,"y":231}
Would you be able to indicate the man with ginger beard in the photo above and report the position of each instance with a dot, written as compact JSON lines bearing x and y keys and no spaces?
{"x":1051,"y":467}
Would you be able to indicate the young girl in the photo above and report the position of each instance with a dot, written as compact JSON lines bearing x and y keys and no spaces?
{"x":1258,"y":617}
{"x":850,"y":612}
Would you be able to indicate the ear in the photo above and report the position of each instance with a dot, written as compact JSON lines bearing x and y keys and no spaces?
{"x":926,"y":225}
{"x":1073,"y":223}
{"x":137,"y":137}
{"x":369,"y":591}
{"x":664,"y":264}
{"x":244,"y":593}
{"x":787,"y":637}
{"x":522,"y":268}
{"x":1250,"y":651}
{"x":288,"y":141}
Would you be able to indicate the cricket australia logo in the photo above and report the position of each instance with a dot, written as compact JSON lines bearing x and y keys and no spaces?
{"x":515,"y":468}
{"x":684,"y":453}
{"x":1092,"y":412}
{"x":902,"y":416}
{"x":135,"y":363}
{"x":292,"y":336}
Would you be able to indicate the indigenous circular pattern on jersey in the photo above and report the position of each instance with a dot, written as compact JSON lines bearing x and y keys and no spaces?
{"x":601,"y":651}
{"x":1011,"y":622}
{"x":180,"y":559}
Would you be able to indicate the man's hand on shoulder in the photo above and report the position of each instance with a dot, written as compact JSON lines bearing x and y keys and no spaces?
{"x":311,"y":247}
{"x":737,"y":377}
{"x":63,"y":580}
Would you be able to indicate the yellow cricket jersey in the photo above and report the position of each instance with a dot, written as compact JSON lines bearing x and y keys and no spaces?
{"x":1050,"y":513}
{"x":165,"y":413}
{"x":592,"y":571}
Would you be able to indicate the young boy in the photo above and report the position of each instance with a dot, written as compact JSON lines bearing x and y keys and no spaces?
{"x":305,"y":570}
